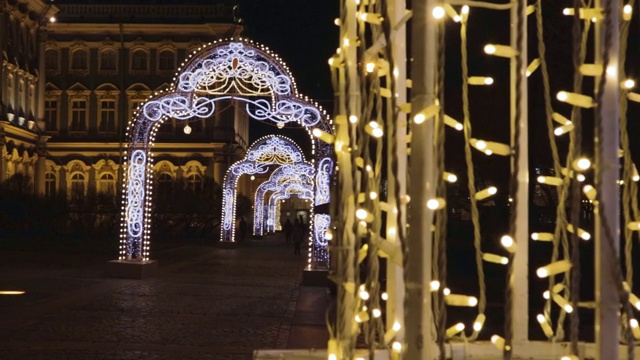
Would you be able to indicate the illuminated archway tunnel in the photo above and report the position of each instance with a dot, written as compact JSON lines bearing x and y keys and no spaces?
{"x":228,"y":69}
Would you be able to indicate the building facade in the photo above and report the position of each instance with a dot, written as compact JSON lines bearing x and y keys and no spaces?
{"x":67,"y":129}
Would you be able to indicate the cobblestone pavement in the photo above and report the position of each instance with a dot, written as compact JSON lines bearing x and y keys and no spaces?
{"x":206,"y":303}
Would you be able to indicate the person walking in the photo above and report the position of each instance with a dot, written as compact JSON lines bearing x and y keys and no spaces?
{"x":297,"y":235}
{"x":288,"y":227}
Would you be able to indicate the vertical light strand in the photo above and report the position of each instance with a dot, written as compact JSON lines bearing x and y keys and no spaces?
{"x":608,"y":275}
{"x":471,"y":181}
{"x":418,"y":261}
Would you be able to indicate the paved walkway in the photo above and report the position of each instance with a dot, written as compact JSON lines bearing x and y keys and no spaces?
{"x":206,"y":303}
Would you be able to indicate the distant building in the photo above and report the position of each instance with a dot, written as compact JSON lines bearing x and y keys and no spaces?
{"x":67,"y":130}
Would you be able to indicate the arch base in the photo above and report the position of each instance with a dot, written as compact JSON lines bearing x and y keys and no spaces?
{"x":131,"y":269}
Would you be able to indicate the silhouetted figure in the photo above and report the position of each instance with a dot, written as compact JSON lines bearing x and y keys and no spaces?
{"x":288,"y":227}
{"x":242,"y":228}
{"x":297,"y":235}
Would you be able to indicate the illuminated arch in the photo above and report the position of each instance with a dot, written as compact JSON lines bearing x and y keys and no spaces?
{"x":261,"y":156}
{"x":282,"y":178}
{"x":238,"y":69}
{"x":273,"y":209}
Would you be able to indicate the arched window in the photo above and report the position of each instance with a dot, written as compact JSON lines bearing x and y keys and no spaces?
{"x":194,"y":182}
{"x":50,"y":184}
{"x":108,"y":60}
{"x":80,"y":60}
{"x":107,"y":184}
{"x":165,"y":184}
{"x":166,"y":61}
{"x":139,"y":60}
{"x":51,"y":60}
{"x":78,"y":185}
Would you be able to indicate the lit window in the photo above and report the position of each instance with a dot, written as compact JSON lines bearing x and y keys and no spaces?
{"x":108,"y":116}
{"x":107,"y":184}
{"x":51,"y":59}
{"x":194,"y":182}
{"x":166,"y":61}
{"x":108,"y":60}
{"x":77,"y":185}
{"x":80,"y":60}
{"x":78,"y":115}
{"x":139,"y":60}
{"x":51,"y":115}
{"x":50,"y":184}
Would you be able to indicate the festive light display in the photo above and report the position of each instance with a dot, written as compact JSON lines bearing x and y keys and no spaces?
{"x":284,"y":178}
{"x":251,"y":72}
{"x":323,"y":181}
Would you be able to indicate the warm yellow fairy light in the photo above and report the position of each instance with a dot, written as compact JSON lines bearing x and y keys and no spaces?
{"x":496,"y":259}
{"x":591,"y":69}
{"x":364,"y":215}
{"x":498,"y":341}
{"x":328,"y":235}
{"x":560,"y":119}
{"x":370,"y":67}
{"x":334,"y":61}
{"x":533,"y":65}
{"x":492,"y":146}
{"x":322,"y":135}
{"x":633,"y":97}
{"x":485,"y":193}
{"x":542,"y":236}
{"x":353,"y":119}
{"x":561,"y":130}
{"x":461,"y":300}
{"x":562,"y":302}
{"x":575,"y":99}
{"x":570,"y":357}
{"x":362,"y":316}
{"x":449,"y":121}
{"x":550,"y":180}
{"x":363,"y":293}
{"x":446,"y":291}
{"x":500,"y":50}
{"x":396,"y":346}
{"x":434,"y":285}
{"x":634,"y":328}
{"x":426,"y":114}
{"x":553,"y":268}
{"x":371,"y":18}
{"x":544,"y":324}
{"x":634,"y":226}
{"x":376,"y":312}
{"x":396,"y":326}
{"x":438,"y":12}
{"x":581,"y":177}
{"x":590,"y":192}
{"x":581,"y":232}
{"x":449,"y":177}
{"x":634,"y":173}
{"x":627,"y":12}
{"x":478,"y":323}
{"x":436,"y":204}
{"x":581,"y":164}
{"x":384,"y":296}
{"x":628,"y":84}
{"x":480,"y":80}
{"x":449,"y":10}
{"x":508,"y":243}
{"x":374,"y":129}
{"x":373,"y":195}
{"x":455,"y":329}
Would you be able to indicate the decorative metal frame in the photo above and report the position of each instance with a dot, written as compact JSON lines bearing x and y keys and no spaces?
{"x":222,"y":70}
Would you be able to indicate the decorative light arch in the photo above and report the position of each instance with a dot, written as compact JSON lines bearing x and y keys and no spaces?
{"x":282,"y":179}
{"x":273,"y":209}
{"x":222,"y":70}
{"x":262,"y":155}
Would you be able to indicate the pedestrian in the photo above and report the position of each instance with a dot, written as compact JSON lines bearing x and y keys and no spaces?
{"x":297,"y":235}
{"x":242,"y":228}
{"x":288,"y":227}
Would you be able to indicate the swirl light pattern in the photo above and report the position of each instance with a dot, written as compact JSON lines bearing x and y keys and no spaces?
{"x":286,"y":110}
{"x":322,"y":223}
{"x":180,"y":107}
{"x":265,"y":152}
{"x":323,"y":181}
{"x":235,"y":67}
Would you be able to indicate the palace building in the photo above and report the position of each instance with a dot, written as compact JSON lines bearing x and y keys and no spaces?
{"x":73,"y":75}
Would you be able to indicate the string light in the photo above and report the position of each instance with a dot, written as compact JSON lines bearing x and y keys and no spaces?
{"x":478,"y":323}
{"x":454,"y":330}
{"x":500,"y":50}
{"x":485,"y":193}
{"x":575,"y":99}
{"x":553,"y":268}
